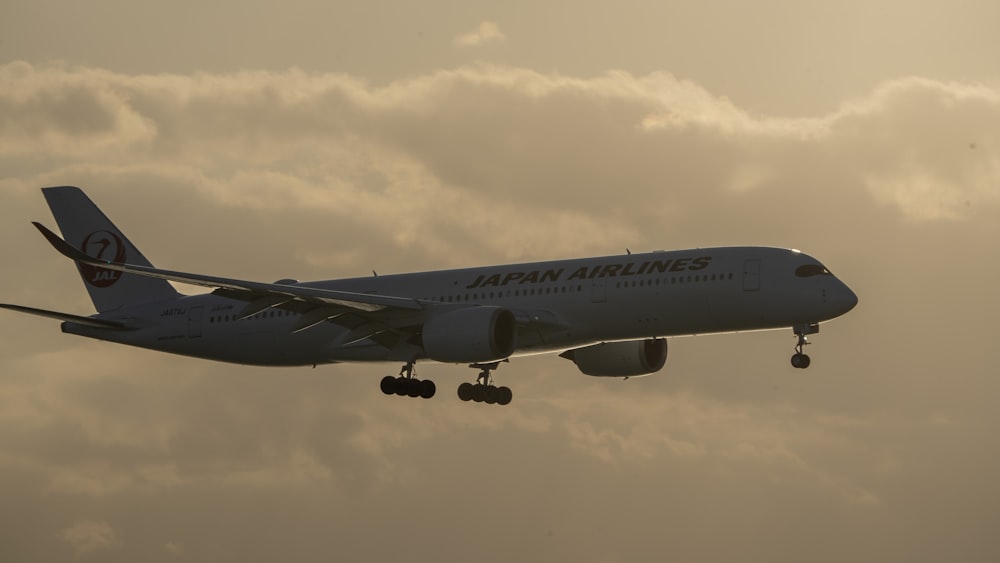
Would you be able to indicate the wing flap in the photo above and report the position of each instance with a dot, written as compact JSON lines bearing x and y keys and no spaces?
{"x":315,"y":317}
{"x":263,"y":304}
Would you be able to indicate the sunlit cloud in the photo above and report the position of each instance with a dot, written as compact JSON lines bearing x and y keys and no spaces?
{"x":475,"y":136}
{"x":485,"y":32}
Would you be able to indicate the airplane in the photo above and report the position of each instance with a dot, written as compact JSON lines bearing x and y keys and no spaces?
{"x":609,"y":315}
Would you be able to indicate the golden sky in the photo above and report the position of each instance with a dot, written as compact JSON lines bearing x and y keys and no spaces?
{"x":312,"y":140}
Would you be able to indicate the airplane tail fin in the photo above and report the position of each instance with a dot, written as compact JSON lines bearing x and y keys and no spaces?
{"x":84,"y":226}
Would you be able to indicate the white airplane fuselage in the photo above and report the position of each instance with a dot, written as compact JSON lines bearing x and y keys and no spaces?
{"x":561,"y":305}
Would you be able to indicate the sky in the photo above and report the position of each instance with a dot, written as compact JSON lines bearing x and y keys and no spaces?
{"x":315,"y":140}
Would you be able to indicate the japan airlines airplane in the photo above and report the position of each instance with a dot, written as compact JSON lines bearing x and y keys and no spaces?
{"x":608,"y":315}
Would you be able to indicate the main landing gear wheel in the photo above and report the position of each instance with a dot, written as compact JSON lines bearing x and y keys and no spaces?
{"x":483,"y":391}
{"x":799,"y":359}
{"x":406,"y":384}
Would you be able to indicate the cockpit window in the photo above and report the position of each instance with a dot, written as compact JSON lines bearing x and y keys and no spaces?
{"x":810,"y":270}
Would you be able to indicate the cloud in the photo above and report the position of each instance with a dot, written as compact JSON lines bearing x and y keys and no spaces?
{"x":485,"y":32}
{"x":89,"y":535}
{"x":174,"y":548}
{"x":928,"y":148}
{"x":266,"y":175}
{"x":483,"y":139}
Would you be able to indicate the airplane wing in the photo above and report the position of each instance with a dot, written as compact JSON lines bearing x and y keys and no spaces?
{"x":268,"y":294}
{"x":382,"y":318}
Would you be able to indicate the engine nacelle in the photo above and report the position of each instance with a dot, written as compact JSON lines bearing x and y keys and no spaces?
{"x":471,"y":335}
{"x":620,"y":359}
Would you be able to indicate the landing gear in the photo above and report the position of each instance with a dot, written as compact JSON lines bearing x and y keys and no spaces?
{"x":406,"y":384}
{"x":800,"y":360}
{"x":483,"y":391}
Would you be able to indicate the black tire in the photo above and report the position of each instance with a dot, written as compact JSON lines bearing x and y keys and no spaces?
{"x":800,"y":361}
{"x":388,"y":385}
{"x":465,"y":391}
{"x":478,"y":392}
{"x":427,"y":389}
{"x":504,"y":396}
{"x":401,"y":386}
{"x":490,"y":395}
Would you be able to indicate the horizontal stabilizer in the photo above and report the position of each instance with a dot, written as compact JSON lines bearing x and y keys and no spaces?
{"x":80,"y":320}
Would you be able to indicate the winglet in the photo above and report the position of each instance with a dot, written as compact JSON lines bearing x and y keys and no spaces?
{"x":63,"y":247}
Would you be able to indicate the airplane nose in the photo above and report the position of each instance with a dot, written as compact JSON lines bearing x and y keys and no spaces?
{"x":845,"y":298}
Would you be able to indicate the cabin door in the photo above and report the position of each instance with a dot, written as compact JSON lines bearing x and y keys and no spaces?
{"x":751,"y":275}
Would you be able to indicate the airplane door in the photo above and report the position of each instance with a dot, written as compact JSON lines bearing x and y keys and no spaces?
{"x":598,"y":291}
{"x":751,"y":275}
{"x":194,"y":322}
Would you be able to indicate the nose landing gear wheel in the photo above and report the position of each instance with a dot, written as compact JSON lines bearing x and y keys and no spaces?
{"x":799,"y":359}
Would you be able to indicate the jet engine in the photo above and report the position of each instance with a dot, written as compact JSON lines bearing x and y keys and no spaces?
{"x":620,"y":359}
{"x":471,"y":335}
